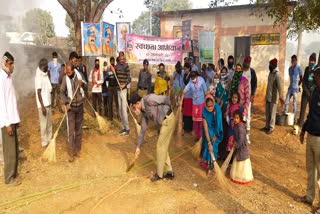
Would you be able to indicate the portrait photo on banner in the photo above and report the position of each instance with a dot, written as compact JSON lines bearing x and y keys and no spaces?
{"x":177,"y":32}
{"x":107,"y":38}
{"x":91,"y":39}
{"x":123,"y":29}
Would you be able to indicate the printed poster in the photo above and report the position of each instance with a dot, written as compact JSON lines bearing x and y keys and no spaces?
{"x":186,"y":36}
{"x":123,"y":29}
{"x":91,"y":39}
{"x":107,"y":38}
{"x":206,"y":46}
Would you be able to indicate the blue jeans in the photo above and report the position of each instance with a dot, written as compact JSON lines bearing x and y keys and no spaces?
{"x":291,"y":93}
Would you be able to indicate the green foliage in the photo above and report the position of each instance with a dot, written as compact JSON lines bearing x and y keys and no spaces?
{"x":72,"y":32}
{"x":300,"y":15}
{"x":39,"y":21}
{"x":142,"y":24}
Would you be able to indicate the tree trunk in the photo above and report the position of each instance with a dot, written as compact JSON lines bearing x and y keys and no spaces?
{"x":77,"y":29}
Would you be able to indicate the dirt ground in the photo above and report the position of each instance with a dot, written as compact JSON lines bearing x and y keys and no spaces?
{"x":278,"y":163}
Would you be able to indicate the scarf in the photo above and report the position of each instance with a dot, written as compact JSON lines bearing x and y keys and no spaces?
{"x":69,"y":85}
{"x":92,"y":75}
{"x":3,"y":65}
{"x":45,"y":75}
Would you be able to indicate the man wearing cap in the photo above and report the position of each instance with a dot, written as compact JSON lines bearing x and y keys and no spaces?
{"x":295,"y":74}
{"x":250,"y":74}
{"x":312,"y":127}
{"x":144,"y":80}
{"x":307,"y":86}
{"x":194,"y":67}
{"x":274,"y":91}
{"x":156,"y":108}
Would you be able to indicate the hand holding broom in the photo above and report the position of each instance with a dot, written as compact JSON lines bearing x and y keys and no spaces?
{"x":50,"y":152}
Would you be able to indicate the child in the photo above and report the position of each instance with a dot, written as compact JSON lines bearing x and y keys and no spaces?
{"x":232,"y":106}
{"x":241,"y":171}
{"x":214,"y":84}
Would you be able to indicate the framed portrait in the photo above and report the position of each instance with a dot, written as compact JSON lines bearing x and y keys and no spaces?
{"x":123,"y":29}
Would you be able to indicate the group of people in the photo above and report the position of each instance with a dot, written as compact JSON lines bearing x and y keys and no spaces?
{"x":215,"y":103}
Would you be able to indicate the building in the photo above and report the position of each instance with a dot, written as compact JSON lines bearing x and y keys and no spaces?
{"x":238,"y":30}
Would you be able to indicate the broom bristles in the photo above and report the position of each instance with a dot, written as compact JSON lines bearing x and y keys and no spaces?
{"x":227,"y":161}
{"x":196,"y":149}
{"x":103,"y":126}
{"x":50,"y":152}
{"x":220,"y":177}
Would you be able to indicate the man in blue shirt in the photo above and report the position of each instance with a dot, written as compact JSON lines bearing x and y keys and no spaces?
{"x":55,"y":67}
{"x":295,"y":74}
{"x":312,"y":127}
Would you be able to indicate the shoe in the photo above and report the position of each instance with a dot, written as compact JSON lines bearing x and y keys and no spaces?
{"x":303,"y":199}
{"x":264,"y":129}
{"x":14,"y":182}
{"x":125,"y":133}
{"x":122,"y":132}
{"x":270,"y":131}
{"x":71,"y":159}
{"x":155,"y":177}
{"x":169,"y":175}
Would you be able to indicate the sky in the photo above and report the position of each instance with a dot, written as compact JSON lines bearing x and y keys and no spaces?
{"x":131,"y":9}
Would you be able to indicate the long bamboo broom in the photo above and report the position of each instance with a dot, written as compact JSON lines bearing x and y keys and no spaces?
{"x":196,"y":149}
{"x":50,"y":152}
{"x":220,"y":177}
{"x":227,"y":162}
{"x":103,"y":125}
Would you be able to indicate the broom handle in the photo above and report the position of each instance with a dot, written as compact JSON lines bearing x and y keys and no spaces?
{"x":135,"y":121}
{"x":91,"y":105}
{"x":64,"y":115}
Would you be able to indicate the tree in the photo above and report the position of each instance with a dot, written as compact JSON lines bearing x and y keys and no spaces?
{"x":141,"y":24}
{"x":39,"y":21}
{"x":157,"y":6}
{"x":81,"y":10}
{"x":299,"y":15}
{"x":71,"y":35}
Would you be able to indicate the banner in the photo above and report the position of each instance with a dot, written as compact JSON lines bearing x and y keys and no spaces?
{"x":265,"y":39}
{"x":123,"y":29}
{"x":206,"y":46}
{"x":155,"y":49}
{"x":91,"y":39}
{"x":107,"y":38}
{"x":186,"y":36}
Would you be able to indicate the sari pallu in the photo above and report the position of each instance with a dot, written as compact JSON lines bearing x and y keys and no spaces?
{"x":215,"y":128}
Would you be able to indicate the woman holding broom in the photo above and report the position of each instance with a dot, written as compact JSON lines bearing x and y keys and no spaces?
{"x":212,"y":133}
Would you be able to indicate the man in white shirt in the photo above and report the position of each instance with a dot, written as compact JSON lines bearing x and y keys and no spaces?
{"x":96,"y":80}
{"x":9,"y":120}
{"x":43,"y":90}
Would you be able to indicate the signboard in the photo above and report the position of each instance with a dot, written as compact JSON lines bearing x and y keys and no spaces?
{"x":186,"y":35}
{"x":107,"y":38}
{"x":206,"y":46}
{"x":177,"y":32}
{"x":123,"y":29}
{"x":155,"y":49}
{"x":265,"y":39}
{"x":91,"y":39}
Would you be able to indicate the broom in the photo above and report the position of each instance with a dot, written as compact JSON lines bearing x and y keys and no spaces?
{"x":50,"y":152}
{"x":196,"y":149}
{"x":220,"y":177}
{"x":103,"y":125}
{"x":227,"y":161}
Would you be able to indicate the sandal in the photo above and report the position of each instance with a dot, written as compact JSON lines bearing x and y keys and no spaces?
{"x":304,"y":199}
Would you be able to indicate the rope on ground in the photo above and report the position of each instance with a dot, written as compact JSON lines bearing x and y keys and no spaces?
{"x":113,"y":192}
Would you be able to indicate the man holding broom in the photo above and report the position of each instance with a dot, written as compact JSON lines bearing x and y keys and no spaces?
{"x":9,"y":120}
{"x":72,"y":83}
{"x":156,"y":108}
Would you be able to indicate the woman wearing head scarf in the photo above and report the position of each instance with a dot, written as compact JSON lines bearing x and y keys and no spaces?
{"x":222,"y":91}
{"x":212,"y":133}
